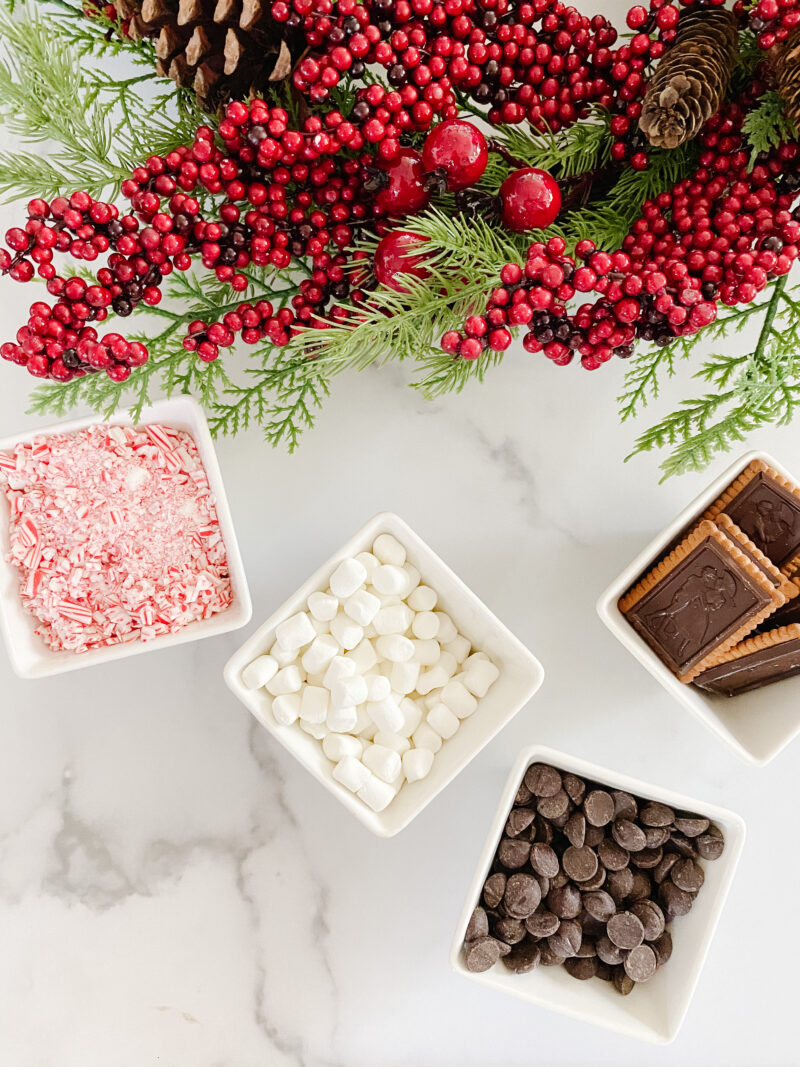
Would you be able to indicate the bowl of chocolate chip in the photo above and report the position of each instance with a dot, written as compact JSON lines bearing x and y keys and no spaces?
{"x":597,"y":895}
{"x":712,"y":607}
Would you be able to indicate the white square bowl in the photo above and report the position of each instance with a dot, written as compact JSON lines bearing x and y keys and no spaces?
{"x":521,"y":674}
{"x":655,"y":1010}
{"x":29,"y":655}
{"x":756,"y":725}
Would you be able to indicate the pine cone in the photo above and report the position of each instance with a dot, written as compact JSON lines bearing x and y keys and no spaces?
{"x":691,"y":80}
{"x":785,"y":63}
{"x":221,"y":48}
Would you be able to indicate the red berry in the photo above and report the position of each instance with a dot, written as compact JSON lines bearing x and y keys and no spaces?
{"x":530,"y":200}
{"x":405,"y":192}
{"x":458,"y":148}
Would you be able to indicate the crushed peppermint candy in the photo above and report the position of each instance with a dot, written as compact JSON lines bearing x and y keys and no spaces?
{"x":114,"y":531}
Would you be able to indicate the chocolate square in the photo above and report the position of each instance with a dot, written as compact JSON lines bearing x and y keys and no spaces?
{"x":767,"y":508}
{"x":705,"y":597}
{"x":757,"y":668}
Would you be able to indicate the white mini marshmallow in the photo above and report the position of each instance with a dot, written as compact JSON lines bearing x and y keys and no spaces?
{"x":430,"y":700}
{"x":364,"y":656}
{"x":339,"y":667}
{"x":397,"y":742}
{"x":458,"y":698}
{"x":349,"y":692}
{"x":319,"y":654}
{"x":389,"y":580}
{"x":395,"y":648}
{"x":412,"y":577}
{"x":348,"y":576}
{"x":314,"y":704}
{"x":377,"y":794}
{"x":259,"y":672}
{"x":417,"y":763}
{"x":443,"y":721}
{"x":351,"y":773}
{"x":459,"y":648}
{"x":383,"y":761}
{"x":476,"y":657}
{"x":286,"y":708}
{"x":413,"y":715}
{"x":448,"y":662}
{"x":364,"y":726}
{"x":394,"y":619}
{"x":447,"y":629}
{"x":378,"y":687}
{"x":342,"y":720}
{"x":337,"y":746}
{"x":346,"y":632}
{"x":426,"y":737}
{"x":435,"y":678}
{"x":295,"y":631}
{"x":320,"y":627}
{"x":317,"y":730}
{"x":389,"y":550}
{"x":423,"y":598}
{"x":323,"y":606}
{"x":386,"y":715}
{"x":425,"y":625}
{"x":479,"y":676}
{"x":427,"y":653}
{"x":362,"y":607}
{"x":404,"y":677}
{"x":287,"y":680}
{"x":284,"y":656}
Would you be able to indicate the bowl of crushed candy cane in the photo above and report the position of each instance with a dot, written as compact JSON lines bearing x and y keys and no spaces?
{"x":115,"y":539}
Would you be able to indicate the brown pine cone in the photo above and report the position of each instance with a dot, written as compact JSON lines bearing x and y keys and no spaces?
{"x":222,"y":49}
{"x":691,"y":80}
{"x":785,"y":63}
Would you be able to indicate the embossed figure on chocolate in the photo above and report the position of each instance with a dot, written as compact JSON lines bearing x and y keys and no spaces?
{"x":684,"y":622}
{"x":774,"y":521}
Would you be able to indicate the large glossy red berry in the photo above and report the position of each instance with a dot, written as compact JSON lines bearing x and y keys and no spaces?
{"x":530,"y":200}
{"x":405,"y":192}
{"x":458,"y":148}
{"x":395,"y":257}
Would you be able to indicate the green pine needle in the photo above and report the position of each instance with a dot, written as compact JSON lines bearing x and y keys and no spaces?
{"x":767,"y":126}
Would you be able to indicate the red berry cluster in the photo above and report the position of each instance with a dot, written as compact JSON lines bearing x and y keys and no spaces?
{"x":770,"y":20}
{"x":718,"y":236}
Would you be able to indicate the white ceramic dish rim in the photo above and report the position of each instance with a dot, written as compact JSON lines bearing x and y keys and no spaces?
{"x":703,"y":707}
{"x":187,"y":414}
{"x":735,"y":833}
{"x":379,"y":822}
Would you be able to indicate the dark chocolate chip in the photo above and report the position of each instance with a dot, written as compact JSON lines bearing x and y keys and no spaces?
{"x":523,"y":796}
{"x":575,"y":830}
{"x":544,"y":860}
{"x":656,"y":836}
{"x":547,"y":957}
{"x":625,"y":806}
{"x":619,"y":884}
{"x":478,"y":925}
{"x":608,"y":952}
{"x":625,"y":930}
{"x":642,"y":886}
{"x":579,"y":863}
{"x":544,"y":884}
{"x":482,"y":953}
{"x":542,"y":780}
{"x":522,"y":957}
{"x":544,"y":831}
{"x":575,"y":787}
{"x":513,"y":852}
{"x":640,"y":963}
{"x":522,"y":896}
{"x":600,"y":905}
{"x":598,"y":807}
{"x":663,"y":948}
{"x":647,"y":858}
{"x":560,"y":821}
{"x":604,"y":971}
{"x":651,"y":917}
{"x":554,"y":806}
{"x":594,"y":835}
{"x":542,"y":923}
{"x":596,"y":881}
{"x":668,"y":861}
{"x":628,"y":835}
{"x":691,"y":825}
{"x":493,"y":889}
{"x":566,"y":940}
{"x":688,"y":875}
{"x":613,"y":856}
{"x":710,"y":846}
{"x":509,"y":930}
{"x":581,"y":967}
{"x":674,"y":900}
{"x":587,"y":945}
{"x":519,"y":820}
{"x":683,"y":845}
{"x":565,"y":901}
{"x":592,"y":928}
{"x":655,"y":814}
{"x":623,"y":983}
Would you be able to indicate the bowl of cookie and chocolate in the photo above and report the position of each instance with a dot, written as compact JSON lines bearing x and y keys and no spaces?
{"x":712,"y":607}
